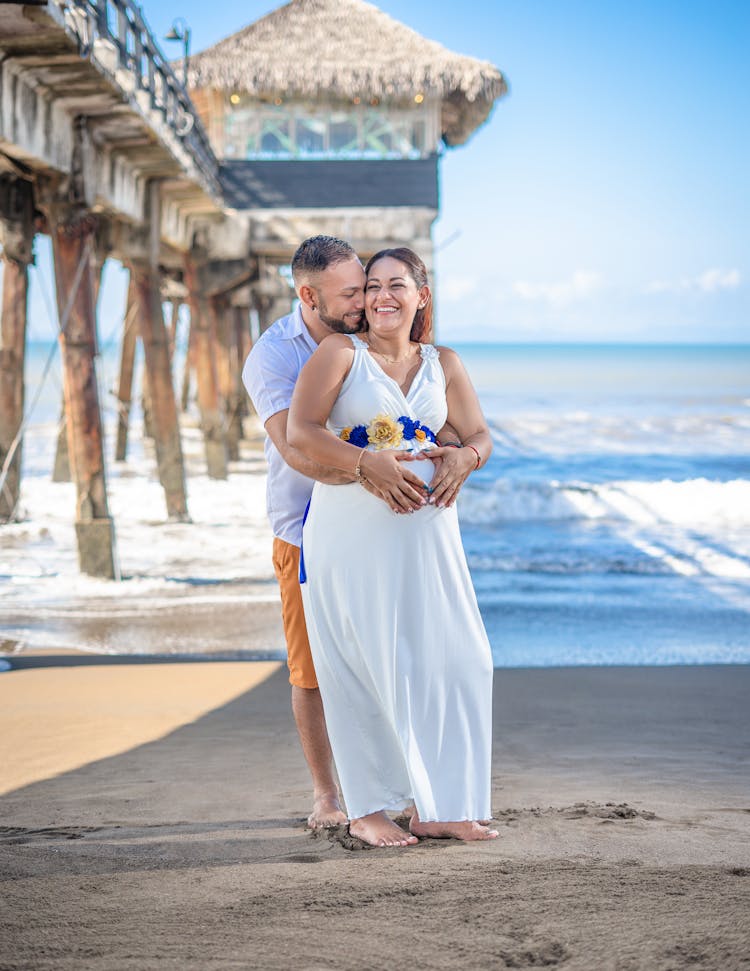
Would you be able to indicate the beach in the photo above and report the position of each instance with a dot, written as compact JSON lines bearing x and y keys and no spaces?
{"x":621,"y":796}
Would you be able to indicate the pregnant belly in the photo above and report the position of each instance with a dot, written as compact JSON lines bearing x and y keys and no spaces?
{"x":423,"y":468}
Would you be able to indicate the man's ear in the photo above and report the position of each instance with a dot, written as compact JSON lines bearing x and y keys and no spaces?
{"x":307,"y":296}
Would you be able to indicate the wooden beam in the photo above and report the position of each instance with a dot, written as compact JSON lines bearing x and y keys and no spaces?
{"x":226,"y":365}
{"x":174,"y":305}
{"x":203,"y":334}
{"x":61,"y":469}
{"x":238,"y":281}
{"x":189,"y":367}
{"x":165,"y":426}
{"x":125,"y":383}
{"x":12,"y":351}
{"x":72,"y":245}
{"x":146,"y":407}
{"x":17,"y":234}
{"x":243,"y":323}
{"x":241,"y":339}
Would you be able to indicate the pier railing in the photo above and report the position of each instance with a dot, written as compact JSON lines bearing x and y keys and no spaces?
{"x":115,"y":37}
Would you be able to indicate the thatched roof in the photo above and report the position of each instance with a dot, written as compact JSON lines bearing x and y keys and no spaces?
{"x":348,"y":49}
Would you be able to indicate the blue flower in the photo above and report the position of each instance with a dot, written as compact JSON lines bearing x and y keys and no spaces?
{"x":428,"y":431}
{"x":409,"y":426}
{"x":358,"y":436}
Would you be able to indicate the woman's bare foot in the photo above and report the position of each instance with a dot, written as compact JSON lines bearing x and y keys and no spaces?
{"x":378,"y":830}
{"x":468,"y":830}
{"x":326,"y":812}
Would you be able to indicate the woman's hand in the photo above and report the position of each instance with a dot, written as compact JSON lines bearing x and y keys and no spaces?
{"x":452,"y":468}
{"x":389,"y":474}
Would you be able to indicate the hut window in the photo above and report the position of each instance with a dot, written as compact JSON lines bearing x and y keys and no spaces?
{"x":276,"y":136}
{"x":419,"y":136}
{"x":256,"y":130}
{"x":377,"y":135}
{"x":310,"y":136}
{"x":343,"y":133}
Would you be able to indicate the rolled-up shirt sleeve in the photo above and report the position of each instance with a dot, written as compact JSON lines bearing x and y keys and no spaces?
{"x":269,"y":379}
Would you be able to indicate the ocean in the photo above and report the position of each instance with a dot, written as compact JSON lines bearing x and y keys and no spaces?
{"x":610,"y":526}
{"x":612,"y":523}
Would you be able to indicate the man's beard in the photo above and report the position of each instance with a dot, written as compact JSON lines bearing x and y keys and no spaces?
{"x":339,"y":325}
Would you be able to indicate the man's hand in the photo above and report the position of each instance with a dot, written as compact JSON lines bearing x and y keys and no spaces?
{"x":276,"y":428}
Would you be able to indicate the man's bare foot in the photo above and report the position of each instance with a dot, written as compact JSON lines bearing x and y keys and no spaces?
{"x":469,"y":830}
{"x":326,"y":812}
{"x":378,"y":830}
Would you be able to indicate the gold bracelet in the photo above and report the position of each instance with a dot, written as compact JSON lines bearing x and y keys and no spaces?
{"x":358,"y":470}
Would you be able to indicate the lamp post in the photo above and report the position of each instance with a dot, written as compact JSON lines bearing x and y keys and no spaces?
{"x":181,"y":31}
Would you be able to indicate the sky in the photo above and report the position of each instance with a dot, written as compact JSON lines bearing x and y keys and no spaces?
{"x":607,"y":198}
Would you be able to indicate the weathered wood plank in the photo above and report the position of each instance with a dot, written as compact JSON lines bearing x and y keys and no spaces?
{"x":204,"y":337}
{"x":125,"y":381}
{"x":164,"y":421}
{"x":12,"y":352}
{"x":72,"y":245}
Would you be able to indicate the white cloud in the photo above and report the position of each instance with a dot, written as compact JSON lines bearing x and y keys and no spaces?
{"x":455,"y":288}
{"x":710,"y":281}
{"x":718,"y":280}
{"x":580,"y":285}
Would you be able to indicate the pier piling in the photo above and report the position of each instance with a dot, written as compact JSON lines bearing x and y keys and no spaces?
{"x":164,"y":422}
{"x":223,"y":322}
{"x":189,"y":367}
{"x":125,"y":381}
{"x":202,"y":332}
{"x":16,"y":234}
{"x":99,"y":248}
{"x":237,"y":394}
{"x":12,"y":352}
{"x":72,"y":240}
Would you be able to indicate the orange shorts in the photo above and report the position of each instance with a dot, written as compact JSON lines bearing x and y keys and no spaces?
{"x":299,"y":657}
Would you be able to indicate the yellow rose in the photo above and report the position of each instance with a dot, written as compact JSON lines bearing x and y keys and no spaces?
{"x":384,"y":432}
{"x":345,"y":433}
{"x":419,"y":435}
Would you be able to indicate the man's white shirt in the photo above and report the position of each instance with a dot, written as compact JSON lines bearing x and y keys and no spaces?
{"x":269,"y":375}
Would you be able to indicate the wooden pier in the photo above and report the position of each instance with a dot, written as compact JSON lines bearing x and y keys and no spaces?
{"x":104,"y":149}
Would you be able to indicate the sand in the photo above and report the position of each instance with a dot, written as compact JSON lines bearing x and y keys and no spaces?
{"x":59,"y":719}
{"x":621,"y":795}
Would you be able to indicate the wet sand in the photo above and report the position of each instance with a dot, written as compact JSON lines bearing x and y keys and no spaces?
{"x":172,"y":834}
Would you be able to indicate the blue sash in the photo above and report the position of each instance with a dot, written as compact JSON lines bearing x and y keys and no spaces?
{"x":302,"y":572}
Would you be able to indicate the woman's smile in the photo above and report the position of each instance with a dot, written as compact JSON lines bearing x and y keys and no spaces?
{"x":391,"y":294}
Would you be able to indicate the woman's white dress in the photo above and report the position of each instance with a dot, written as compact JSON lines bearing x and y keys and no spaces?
{"x":400,"y":651}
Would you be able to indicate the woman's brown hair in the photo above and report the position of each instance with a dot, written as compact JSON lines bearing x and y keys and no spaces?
{"x":421,"y":328}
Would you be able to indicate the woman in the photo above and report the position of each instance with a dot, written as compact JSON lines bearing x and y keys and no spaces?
{"x":401,"y":655}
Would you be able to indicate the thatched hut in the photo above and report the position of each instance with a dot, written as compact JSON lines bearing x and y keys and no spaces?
{"x":330,"y":116}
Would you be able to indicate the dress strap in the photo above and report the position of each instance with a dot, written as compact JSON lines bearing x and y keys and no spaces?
{"x":429,"y":352}
{"x":359,"y":344}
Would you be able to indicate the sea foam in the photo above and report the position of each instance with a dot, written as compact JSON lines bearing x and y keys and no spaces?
{"x":693,"y":502}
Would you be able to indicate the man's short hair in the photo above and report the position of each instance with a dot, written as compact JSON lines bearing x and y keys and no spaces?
{"x":318,"y":253}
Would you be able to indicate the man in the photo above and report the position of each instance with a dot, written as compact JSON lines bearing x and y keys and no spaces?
{"x":329,"y":281}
